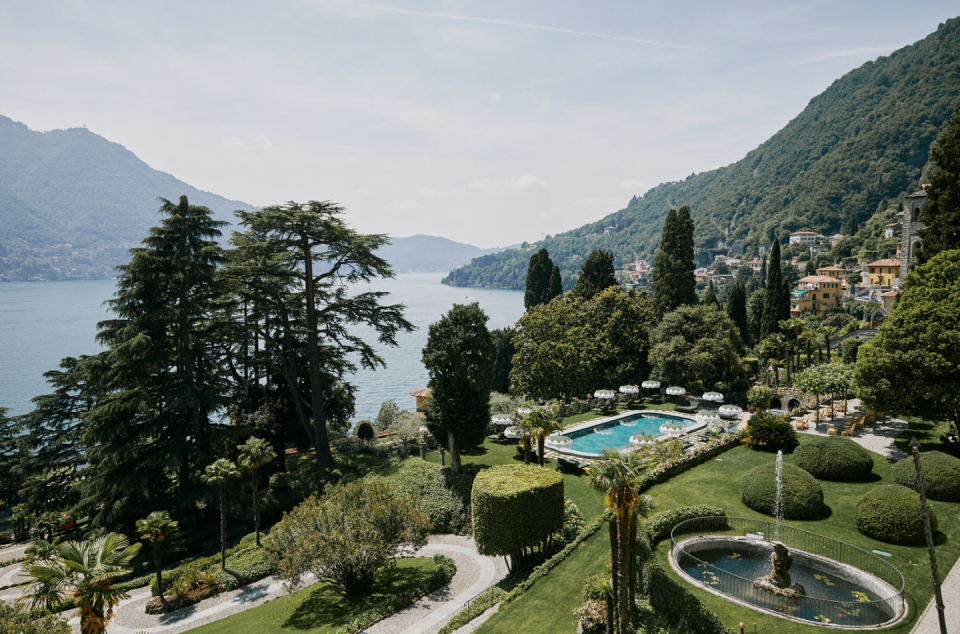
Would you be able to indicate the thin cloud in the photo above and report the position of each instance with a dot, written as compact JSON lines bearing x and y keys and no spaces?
{"x":540,"y":27}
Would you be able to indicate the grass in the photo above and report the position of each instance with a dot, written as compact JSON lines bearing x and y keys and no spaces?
{"x":548,"y":605}
{"x":323,"y":608}
{"x":926,"y":433}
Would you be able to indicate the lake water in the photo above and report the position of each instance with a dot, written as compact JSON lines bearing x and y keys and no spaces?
{"x":42,"y":322}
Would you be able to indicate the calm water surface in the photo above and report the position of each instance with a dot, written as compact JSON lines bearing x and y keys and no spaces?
{"x":42,"y":322}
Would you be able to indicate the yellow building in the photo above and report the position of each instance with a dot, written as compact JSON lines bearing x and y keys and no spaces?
{"x":815,"y":293}
{"x":883,"y":272}
{"x":888,"y":298}
{"x":837,"y":272}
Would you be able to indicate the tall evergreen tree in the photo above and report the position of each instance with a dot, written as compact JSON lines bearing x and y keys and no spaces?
{"x":556,"y":283}
{"x":773,"y":299}
{"x":538,"y":280}
{"x":9,"y":453}
{"x":737,"y":310}
{"x":596,"y":274}
{"x":673,"y":281}
{"x":785,"y":298}
{"x":149,"y":434}
{"x":504,"y":349}
{"x":941,"y":212}
{"x":755,"y":314}
{"x":763,"y":273}
{"x":459,"y":359}
{"x":294,"y":262}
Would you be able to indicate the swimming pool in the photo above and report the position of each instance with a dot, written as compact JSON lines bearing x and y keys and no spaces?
{"x":591,"y":438}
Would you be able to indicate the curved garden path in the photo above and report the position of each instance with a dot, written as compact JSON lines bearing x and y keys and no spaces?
{"x":475,"y":573}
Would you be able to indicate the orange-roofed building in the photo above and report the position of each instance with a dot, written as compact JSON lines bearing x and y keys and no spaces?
{"x":421,"y":396}
{"x":815,"y":293}
{"x":883,"y":272}
{"x":888,"y":298}
{"x":834,"y":271}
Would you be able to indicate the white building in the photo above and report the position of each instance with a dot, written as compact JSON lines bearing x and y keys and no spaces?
{"x":806,"y":237}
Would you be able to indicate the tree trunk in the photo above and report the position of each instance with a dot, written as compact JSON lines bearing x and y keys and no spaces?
{"x":526,"y":450}
{"x":321,"y":442}
{"x":159,"y":566}
{"x":540,"y":443}
{"x":827,"y":337}
{"x":623,"y":598}
{"x":632,"y":559}
{"x":454,"y":452}
{"x":223,"y":527}
{"x":610,"y":619}
{"x":614,"y":562}
{"x":256,"y":505}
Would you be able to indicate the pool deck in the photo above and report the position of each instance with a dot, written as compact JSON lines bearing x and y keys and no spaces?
{"x":598,"y":422}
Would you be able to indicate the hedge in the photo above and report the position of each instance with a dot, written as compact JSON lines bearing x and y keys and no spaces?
{"x":440,"y":493}
{"x":834,"y":458}
{"x":659,"y":525}
{"x":892,"y":514}
{"x":941,"y":475}
{"x":802,"y":495}
{"x":516,"y":507}
{"x":666,"y":470}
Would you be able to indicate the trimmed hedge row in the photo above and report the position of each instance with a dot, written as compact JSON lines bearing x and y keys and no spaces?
{"x":516,"y":507}
{"x":802,"y":495}
{"x":892,"y":513}
{"x":659,"y":525}
{"x":941,"y":475}
{"x":834,"y":458}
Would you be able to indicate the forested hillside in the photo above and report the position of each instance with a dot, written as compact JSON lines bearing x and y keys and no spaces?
{"x":857,"y":145}
{"x":429,"y":253}
{"x":74,"y":186}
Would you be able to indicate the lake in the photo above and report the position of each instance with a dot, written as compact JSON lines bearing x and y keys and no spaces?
{"x":42,"y":322}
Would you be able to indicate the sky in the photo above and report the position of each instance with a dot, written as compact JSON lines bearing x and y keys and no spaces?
{"x":488,"y":123}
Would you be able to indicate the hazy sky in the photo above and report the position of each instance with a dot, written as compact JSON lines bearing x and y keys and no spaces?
{"x":485,"y":122}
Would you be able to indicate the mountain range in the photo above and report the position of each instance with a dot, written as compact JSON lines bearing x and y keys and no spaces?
{"x":855,"y":147}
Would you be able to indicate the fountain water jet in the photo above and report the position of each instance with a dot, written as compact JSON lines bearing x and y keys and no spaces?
{"x":778,"y":581}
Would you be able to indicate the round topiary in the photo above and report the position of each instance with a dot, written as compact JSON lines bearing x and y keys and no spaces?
{"x":833,"y":458}
{"x":941,"y":475}
{"x":892,"y":513}
{"x":515,"y":507}
{"x":365,"y":430}
{"x":802,"y":495}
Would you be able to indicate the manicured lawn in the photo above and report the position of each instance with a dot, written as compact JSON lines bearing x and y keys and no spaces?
{"x":323,"y":608}
{"x":926,"y":432}
{"x":717,"y":483}
{"x":548,"y":605}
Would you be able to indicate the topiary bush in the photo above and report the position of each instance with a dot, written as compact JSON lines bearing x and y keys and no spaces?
{"x":941,"y":475}
{"x":833,"y":458}
{"x":365,"y":431}
{"x":802,"y":495}
{"x":516,"y":507}
{"x":892,"y":513}
{"x":659,"y":525}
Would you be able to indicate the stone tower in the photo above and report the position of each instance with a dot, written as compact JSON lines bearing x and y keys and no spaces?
{"x":909,"y":240}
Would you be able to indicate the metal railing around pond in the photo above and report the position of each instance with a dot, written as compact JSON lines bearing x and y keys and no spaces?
{"x":858,"y":612}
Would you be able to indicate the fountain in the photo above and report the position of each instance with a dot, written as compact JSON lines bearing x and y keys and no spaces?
{"x":778,"y":501}
{"x":778,"y":581}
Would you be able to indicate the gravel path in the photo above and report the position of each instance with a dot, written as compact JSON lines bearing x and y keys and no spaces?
{"x":474,"y":574}
{"x":878,"y":439}
{"x":929,"y":621}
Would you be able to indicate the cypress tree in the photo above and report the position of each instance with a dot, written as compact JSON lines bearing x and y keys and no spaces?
{"x":556,"y":283}
{"x":673,"y":281}
{"x":737,"y":310}
{"x":785,"y":298}
{"x":773,"y":300}
{"x":763,"y":273}
{"x":503,"y":359}
{"x":538,"y":280}
{"x":596,"y":274}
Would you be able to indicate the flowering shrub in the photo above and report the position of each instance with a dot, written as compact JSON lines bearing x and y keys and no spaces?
{"x":592,"y":615}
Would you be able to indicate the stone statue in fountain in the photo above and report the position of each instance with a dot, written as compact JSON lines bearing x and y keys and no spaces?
{"x":778,"y":581}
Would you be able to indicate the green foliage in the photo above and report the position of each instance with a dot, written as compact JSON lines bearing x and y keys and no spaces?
{"x":849,"y":349}
{"x":862,"y":142}
{"x":773,"y":297}
{"x":504,"y":349}
{"x":346,"y":535}
{"x":596,"y":275}
{"x":516,"y":507}
{"x":6,"y":537}
{"x":17,"y":618}
{"x":659,"y":525}
{"x":459,"y":359}
{"x":250,"y":538}
{"x":941,"y":211}
{"x":573,"y":522}
{"x":892,"y":513}
{"x":673,"y":281}
{"x":834,"y":458}
{"x":364,"y":431}
{"x":769,"y":432}
{"x":760,"y":396}
{"x":737,"y":310}
{"x":539,"y":288}
{"x":696,"y":346}
{"x":918,"y":344}
{"x":387,"y":416}
{"x":570,"y":347}
{"x":941,"y":475}
{"x":802,"y":495}
{"x":439,"y":492}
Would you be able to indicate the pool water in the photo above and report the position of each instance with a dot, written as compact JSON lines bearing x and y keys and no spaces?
{"x":617,"y":432}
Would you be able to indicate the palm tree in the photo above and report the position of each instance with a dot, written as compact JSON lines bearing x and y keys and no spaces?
{"x":255,"y":453}
{"x":615,"y":475}
{"x":541,"y":423}
{"x":771,"y":348}
{"x":220,"y":473}
{"x":825,"y":332}
{"x":156,"y":528}
{"x":85,"y":571}
{"x":796,"y":327}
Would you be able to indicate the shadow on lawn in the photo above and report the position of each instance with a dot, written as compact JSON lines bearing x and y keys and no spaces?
{"x":330,"y":606}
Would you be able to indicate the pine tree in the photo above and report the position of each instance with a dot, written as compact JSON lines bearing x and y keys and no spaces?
{"x":773,"y":299}
{"x":941,"y":211}
{"x":673,"y":281}
{"x":539,"y":280}
{"x":596,"y":274}
{"x":737,"y":310}
{"x":165,"y":374}
{"x":556,"y":283}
